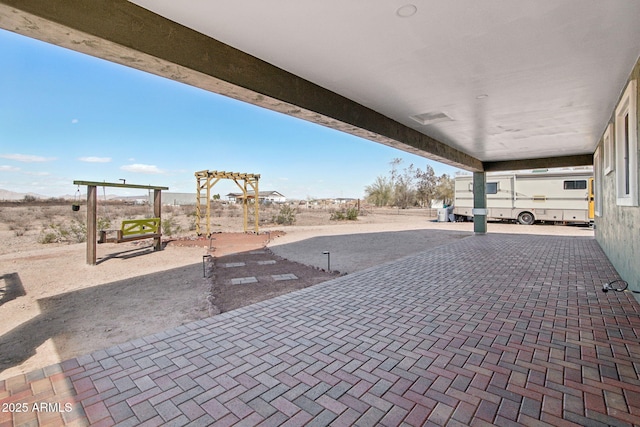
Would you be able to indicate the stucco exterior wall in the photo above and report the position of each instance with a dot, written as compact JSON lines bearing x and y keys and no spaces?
{"x":618,"y":227}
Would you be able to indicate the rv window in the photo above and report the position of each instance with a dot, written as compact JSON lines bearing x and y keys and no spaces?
{"x":492,"y":188}
{"x":576,"y":185}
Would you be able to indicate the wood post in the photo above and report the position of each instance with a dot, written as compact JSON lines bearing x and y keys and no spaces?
{"x":92,"y":223}
{"x":256,"y":212}
{"x":157,"y":212}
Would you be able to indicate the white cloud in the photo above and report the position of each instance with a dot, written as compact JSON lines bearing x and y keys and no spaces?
{"x":27,"y":158}
{"x":7,"y":168}
{"x":140,"y":168}
{"x":74,"y":121}
{"x":92,"y":159}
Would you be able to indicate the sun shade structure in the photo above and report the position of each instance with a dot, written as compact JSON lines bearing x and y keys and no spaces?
{"x":207,"y":179}
{"x":92,"y":214}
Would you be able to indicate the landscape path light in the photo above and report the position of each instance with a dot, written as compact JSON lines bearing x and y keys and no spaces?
{"x":204,"y":266}
{"x":328,"y":254}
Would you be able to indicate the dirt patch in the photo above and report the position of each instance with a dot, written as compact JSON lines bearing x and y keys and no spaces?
{"x":220,"y":244}
{"x":253,"y":276}
{"x":68,"y":308}
{"x":241,"y":270}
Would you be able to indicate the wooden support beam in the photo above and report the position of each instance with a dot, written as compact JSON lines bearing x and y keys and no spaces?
{"x":550,"y":162}
{"x":119,"y":185}
{"x":157,"y":212}
{"x":92,"y":224}
{"x":257,"y":207}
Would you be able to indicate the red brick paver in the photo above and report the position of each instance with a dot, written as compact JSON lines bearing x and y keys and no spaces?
{"x":490,"y":330}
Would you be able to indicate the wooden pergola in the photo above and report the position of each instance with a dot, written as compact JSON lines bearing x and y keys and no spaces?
{"x":92,"y":212}
{"x":207,"y":179}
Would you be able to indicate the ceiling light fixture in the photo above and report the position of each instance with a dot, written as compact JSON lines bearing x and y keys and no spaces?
{"x":431,"y":118}
{"x":482,"y":96}
{"x":407,"y":10}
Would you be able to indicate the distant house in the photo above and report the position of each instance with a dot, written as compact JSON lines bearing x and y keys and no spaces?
{"x":344,"y":200}
{"x":263,"y":197}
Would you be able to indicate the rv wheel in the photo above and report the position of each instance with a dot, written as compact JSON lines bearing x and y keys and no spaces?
{"x":526,"y":218}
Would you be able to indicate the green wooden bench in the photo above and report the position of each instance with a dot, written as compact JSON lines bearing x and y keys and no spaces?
{"x":133,"y":229}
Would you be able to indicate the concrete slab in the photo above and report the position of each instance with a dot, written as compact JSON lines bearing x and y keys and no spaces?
{"x":243,"y":280}
{"x":278,"y":277}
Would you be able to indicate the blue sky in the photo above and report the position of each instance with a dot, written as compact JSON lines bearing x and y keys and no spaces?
{"x":66,"y":116}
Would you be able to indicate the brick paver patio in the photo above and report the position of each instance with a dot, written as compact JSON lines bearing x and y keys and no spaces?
{"x":490,"y":330}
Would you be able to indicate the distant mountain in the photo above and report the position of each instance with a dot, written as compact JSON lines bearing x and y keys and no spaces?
{"x":8,"y":195}
{"x":12,"y":195}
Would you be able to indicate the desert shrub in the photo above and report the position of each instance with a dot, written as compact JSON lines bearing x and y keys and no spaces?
{"x":286,"y":216}
{"x":77,"y":231}
{"x":19,"y":228}
{"x":133,"y":211}
{"x":74,"y":232}
{"x":350,"y":214}
{"x":337,"y":216}
{"x":233,"y":211}
{"x":170,"y":226}
{"x":48,"y":213}
{"x":103,"y":223}
{"x":17,"y":222}
{"x":48,"y":235}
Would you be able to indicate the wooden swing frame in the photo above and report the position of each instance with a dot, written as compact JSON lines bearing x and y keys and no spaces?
{"x":128,"y":233}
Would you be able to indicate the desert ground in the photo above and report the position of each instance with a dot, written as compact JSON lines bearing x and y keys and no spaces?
{"x":53,"y":306}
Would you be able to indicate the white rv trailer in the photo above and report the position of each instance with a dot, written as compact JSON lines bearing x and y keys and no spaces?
{"x":539,"y":195}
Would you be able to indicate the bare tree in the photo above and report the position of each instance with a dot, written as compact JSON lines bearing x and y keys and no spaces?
{"x":409,"y":187}
{"x":404,"y":193}
{"x":426,"y":186}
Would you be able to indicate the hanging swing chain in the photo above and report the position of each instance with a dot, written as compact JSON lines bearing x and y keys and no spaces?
{"x":75,"y":206}
{"x":104,"y":202}
{"x":105,"y":222}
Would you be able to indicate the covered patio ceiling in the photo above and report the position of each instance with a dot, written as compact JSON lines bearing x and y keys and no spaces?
{"x":481,"y":85}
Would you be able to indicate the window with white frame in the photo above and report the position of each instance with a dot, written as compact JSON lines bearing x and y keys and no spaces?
{"x":597,"y":182}
{"x":626,"y":143}
{"x":608,"y":150}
